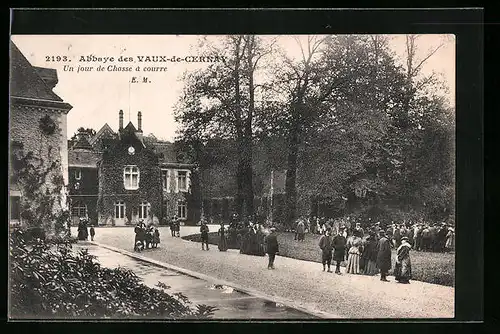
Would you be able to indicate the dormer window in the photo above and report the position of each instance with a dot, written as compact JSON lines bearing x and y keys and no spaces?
{"x":131,"y":177}
{"x":78,"y":174}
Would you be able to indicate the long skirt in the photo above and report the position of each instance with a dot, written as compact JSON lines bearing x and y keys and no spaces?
{"x":353,"y":263}
{"x":402,"y":270}
{"x":223,"y":244}
{"x":371,"y":268}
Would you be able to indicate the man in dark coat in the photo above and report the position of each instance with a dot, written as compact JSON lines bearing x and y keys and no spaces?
{"x":326,"y":246}
{"x":384,"y":256}
{"x":441,"y":237}
{"x":204,"y":234}
{"x":339,"y":245}
{"x":397,"y":236}
{"x":272,"y":247}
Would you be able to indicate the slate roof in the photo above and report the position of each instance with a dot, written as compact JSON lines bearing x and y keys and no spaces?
{"x":82,"y":143}
{"x":25,"y":81}
{"x":82,"y":158}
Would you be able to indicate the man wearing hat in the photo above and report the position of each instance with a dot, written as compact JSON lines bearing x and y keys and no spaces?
{"x":326,"y":246}
{"x":384,"y":256}
{"x":339,"y":245}
{"x":272,"y":247}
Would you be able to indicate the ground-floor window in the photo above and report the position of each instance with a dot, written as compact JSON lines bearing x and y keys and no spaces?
{"x":15,"y":208}
{"x":120,"y":209}
{"x":79,"y":210}
{"x":181,"y":209}
{"x":143,"y":210}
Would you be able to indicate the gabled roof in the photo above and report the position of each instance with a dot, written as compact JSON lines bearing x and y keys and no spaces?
{"x":130,"y":128}
{"x":25,"y":81}
{"x":105,"y":130}
{"x":82,"y":143}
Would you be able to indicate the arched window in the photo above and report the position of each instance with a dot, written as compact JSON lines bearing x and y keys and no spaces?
{"x":79,"y":210}
{"x":131,"y":177}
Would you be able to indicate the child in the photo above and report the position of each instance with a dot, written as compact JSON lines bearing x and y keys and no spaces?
{"x":92,"y":232}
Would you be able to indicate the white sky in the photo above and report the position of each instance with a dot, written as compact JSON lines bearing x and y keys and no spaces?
{"x":97,"y":97}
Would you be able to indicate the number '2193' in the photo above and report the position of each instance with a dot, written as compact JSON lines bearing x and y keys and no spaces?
{"x":56,"y":58}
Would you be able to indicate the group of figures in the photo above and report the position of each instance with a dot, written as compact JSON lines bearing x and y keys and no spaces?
{"x":248,"y":237}
{"x":366,"y":254}
{"x":435,"y":237}
{"x":83,"y":230}
{"x":175,"y":227}
{"x":146,"y":237}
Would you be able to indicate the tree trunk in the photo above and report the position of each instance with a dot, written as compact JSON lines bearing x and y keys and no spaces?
{"x":291,"y":173}
{"x":239,"y":138}
{"x":247,"y":168}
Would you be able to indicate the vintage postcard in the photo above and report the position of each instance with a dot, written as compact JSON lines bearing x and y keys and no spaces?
{"x":178,"y":177}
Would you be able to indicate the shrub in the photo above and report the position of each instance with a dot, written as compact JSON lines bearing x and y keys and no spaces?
{"x":50,"y":280}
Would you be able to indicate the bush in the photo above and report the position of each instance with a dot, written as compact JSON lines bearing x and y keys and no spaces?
{"x":50,"y":280}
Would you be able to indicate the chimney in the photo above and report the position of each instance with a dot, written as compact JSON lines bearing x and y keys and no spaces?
{"x":139,"y":121}
{"x":120,"y":126}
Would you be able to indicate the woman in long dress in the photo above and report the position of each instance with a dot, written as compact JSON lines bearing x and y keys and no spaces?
{"x":402,"y":269}
{"x":354,"y":244}
{"x":370,"y":256}
{"x":222,"y":239}
{"x":450,"y":240}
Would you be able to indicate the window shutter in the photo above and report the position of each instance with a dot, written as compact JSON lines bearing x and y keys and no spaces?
{"x":176,"y":174}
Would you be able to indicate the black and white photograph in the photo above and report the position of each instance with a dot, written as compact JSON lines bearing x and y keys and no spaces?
{"x":238,"y":176}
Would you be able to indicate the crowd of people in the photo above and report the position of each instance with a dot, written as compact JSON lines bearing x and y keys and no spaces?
{"x":146,"y":236}
{"x":429,"y":237}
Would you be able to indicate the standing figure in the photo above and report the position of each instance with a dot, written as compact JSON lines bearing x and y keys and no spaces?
{"x":156,"y":237}
{"x":92,"y":232}
{"x":272,"y":247}
{"x":139,"y":237}
{"x":426,"y":238}
{"x":173,"y":224}
{"x":301,"y":230}
{"x":384,"y":256}
{"x":417,"y":237}
{"x":326,"y":246}
{"x":442,"y":233}
{"x":397,"y":236}
{"x":204,"y":234}
{"x":222,"y":238}
{"x":339,"y":245}
{"x":402,"y":269}
{"x":370,"y":255}
{"x":450,"y":240}
{"x":354,"y":244}
{"x":81,"y":230}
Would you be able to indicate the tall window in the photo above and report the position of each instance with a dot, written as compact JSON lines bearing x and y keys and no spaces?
{"x":143,"y":210}
{"x":131,"y":177}
{"x":120,"y":209}
{"x":79,"y":210}
{"x":182,"y":181}
{"x":78,"y":174}
{"x":181,"y":209}
{"x":165,"y":178}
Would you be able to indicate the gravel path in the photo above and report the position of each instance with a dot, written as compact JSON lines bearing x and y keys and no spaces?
{"x":304,"y":282}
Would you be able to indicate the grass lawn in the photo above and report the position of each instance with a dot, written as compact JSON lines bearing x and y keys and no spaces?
{"x":437,"y":268}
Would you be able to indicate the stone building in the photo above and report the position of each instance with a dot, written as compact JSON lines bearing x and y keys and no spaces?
{"x":123,"y":177}
{"x":37,"y":124}
{"x":83,"y":182}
